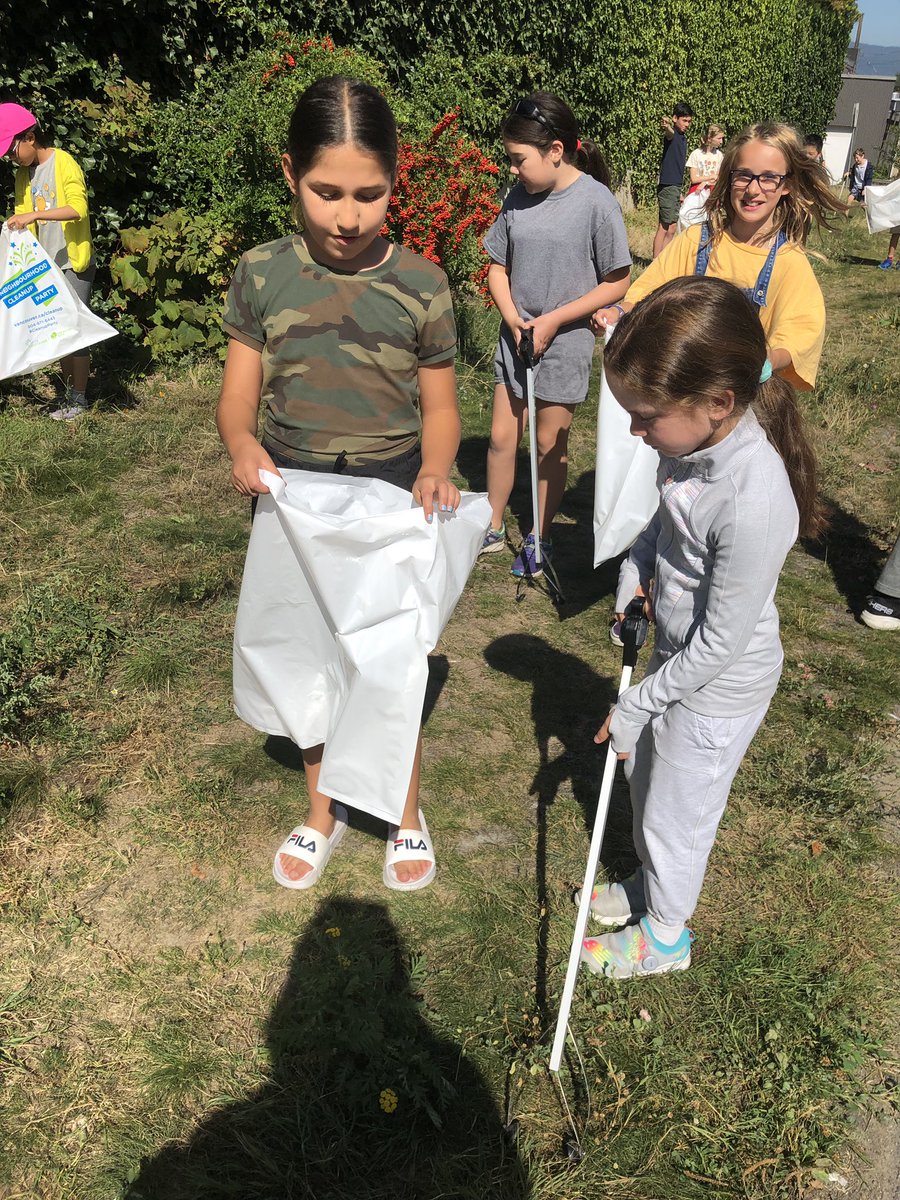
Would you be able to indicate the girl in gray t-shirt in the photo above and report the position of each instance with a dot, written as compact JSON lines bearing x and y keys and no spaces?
{"x":558,"y":247}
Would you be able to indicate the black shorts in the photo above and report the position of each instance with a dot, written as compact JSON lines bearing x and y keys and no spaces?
{"x":402,"y":470}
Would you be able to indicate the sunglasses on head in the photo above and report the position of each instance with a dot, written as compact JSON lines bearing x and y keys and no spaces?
{"x":530,"y":111}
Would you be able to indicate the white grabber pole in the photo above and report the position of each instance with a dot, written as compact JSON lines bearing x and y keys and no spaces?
{"x":526,"y":353}
{"x":634,"y":633}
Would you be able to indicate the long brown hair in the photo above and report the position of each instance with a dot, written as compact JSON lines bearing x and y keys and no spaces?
{"x":585,"y":155}
{"x":697,"y":337}
{"x":809,"y":198}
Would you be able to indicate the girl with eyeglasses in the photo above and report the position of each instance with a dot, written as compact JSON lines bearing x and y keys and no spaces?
{"x":558,"y":252}
{"x":759,"y":215}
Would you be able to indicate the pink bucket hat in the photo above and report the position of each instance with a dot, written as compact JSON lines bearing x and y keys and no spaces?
{"x":14,"y":119}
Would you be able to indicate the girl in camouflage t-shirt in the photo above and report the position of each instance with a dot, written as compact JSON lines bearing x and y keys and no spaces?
{"x":349,"y":343}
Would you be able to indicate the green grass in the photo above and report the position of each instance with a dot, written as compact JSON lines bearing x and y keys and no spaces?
{"x":174,"y":1025}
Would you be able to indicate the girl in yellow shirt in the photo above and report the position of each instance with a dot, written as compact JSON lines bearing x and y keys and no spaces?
{"x":759,"y":215}
{"x":51,"y":197}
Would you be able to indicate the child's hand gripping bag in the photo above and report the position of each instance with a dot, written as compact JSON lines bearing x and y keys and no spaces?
{"x":41,"y":319}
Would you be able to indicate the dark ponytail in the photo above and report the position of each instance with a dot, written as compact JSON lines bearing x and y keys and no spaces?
{"x":336,"y":110}
{"x":779,"y":414}
{"x":559,"y":124}
{"x":694,"y":339}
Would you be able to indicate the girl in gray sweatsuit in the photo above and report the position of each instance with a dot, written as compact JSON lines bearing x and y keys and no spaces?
{"x":737,"y":483}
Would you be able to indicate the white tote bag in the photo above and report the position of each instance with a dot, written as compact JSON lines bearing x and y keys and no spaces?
{"x":693,"y":209}
{"x":883,"y":206}
{"x":41,"y":318}
{"x":346,"y":589}
{"x":625,"y":492}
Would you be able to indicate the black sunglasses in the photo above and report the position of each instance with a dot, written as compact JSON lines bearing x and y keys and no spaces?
{"x":531,"y":112}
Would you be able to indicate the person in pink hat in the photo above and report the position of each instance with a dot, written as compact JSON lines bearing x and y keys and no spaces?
{"x":51,"y":199}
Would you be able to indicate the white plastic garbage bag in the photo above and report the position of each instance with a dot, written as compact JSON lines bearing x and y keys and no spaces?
{"x":41,"y":318}
{"x":693,"y":208}
{"x":625,"y":493}
{"x":346,"y":589}
{"x":883,"y":206}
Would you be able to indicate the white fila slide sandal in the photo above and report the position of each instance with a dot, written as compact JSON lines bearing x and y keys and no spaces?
{"x":311,"y":847}
{"x":408,"y":845}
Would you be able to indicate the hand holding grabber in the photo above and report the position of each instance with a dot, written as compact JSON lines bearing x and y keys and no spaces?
{"x":634,"y":634}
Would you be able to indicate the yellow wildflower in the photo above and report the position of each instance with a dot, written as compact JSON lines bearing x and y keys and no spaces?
{"x":333,"y":931}
{"x":388,"y":1100}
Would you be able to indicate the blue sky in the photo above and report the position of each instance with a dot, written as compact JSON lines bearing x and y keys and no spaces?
{"x":881,"y":26}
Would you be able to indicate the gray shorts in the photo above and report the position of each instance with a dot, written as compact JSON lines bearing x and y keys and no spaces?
{"x":81,"y":282}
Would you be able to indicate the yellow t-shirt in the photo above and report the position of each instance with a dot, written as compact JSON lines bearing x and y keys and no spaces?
{"x":793,"y":318}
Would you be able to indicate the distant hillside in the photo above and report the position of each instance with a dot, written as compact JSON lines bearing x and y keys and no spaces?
{"x":878,"y":60}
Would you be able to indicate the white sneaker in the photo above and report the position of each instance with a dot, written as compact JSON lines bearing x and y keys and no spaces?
{"x":619,"y":903}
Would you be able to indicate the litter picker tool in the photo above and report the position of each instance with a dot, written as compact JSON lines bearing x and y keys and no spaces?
{"x":633,"y":634}
{"x":526,"y":353}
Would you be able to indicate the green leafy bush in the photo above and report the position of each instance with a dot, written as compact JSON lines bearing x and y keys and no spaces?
{"x":170,"y":281}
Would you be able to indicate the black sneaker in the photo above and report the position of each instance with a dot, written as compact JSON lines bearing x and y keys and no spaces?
{"x":881,"y":612}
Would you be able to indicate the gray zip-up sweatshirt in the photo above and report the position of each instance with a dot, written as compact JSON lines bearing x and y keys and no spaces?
{"x":726,"y":521}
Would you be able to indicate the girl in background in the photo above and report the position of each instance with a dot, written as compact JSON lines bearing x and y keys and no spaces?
{"x":51,"y":197}
{"x":558,"y":251}
{"x":705,"y":162}
{"x":765,"y":200}
{"x":737,"y":482}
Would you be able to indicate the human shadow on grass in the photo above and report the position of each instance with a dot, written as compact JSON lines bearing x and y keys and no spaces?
{"x":569,"y":701}
{"x":364,"y":1100}
{"x":582,"y":585}
{"x":848,"y":548}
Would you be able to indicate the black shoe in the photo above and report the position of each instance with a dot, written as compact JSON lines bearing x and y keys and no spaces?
{"x":881,"y":612}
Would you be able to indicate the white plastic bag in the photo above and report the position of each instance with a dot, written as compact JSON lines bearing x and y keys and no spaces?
{"x":625,"y":493}
{"x":693,"y":210}
{"x":346,"y":589}
{"x":883,"y":206}
{"x":41,"y":318}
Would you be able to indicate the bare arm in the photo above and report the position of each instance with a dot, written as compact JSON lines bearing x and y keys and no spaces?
{"x":237,"y":416}
{"x":440,"y":438}
{"x":498,"y":286}
{"x":547,"y":326}
{"x":23,"y":220}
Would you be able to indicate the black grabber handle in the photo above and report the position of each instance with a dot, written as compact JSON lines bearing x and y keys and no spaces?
{"x":526,"y":347}
{"x":634,"y":631}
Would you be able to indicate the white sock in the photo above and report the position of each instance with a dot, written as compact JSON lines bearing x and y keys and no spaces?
{"x":667,"y":934}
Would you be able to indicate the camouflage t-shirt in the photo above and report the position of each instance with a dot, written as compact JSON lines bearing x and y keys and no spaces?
{"x":340,"y":350}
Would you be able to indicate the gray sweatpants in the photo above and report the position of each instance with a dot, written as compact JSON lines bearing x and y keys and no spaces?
{"x":680,"y":776}
{"x":889,"y":579}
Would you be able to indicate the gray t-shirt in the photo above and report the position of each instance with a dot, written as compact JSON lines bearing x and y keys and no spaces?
{"x":558,"y":246}
{"x":43,"y":196}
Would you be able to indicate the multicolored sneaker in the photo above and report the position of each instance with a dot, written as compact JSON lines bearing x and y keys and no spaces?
{"x":494,"y":540}
{"x":881,"y":612}
{"x":635,"y":951}
{"x":886,"y":265}
{"x":619,"y":903}
{"x":525,"y":563}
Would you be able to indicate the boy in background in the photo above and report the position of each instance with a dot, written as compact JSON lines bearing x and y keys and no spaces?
{"x":671,"y":173}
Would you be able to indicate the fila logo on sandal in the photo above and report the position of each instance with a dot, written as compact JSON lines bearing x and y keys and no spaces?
{"x":301,"y":845}
{"x":409,"y":844}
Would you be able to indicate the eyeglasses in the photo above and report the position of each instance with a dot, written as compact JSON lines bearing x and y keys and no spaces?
{"x":531,"y":112}
{"x":768,"y":181}
{"x":14,"y":146}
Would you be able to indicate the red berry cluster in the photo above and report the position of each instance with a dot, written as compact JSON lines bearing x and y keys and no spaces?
{"x":444,"y":200}
{"x":284,"y":62}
